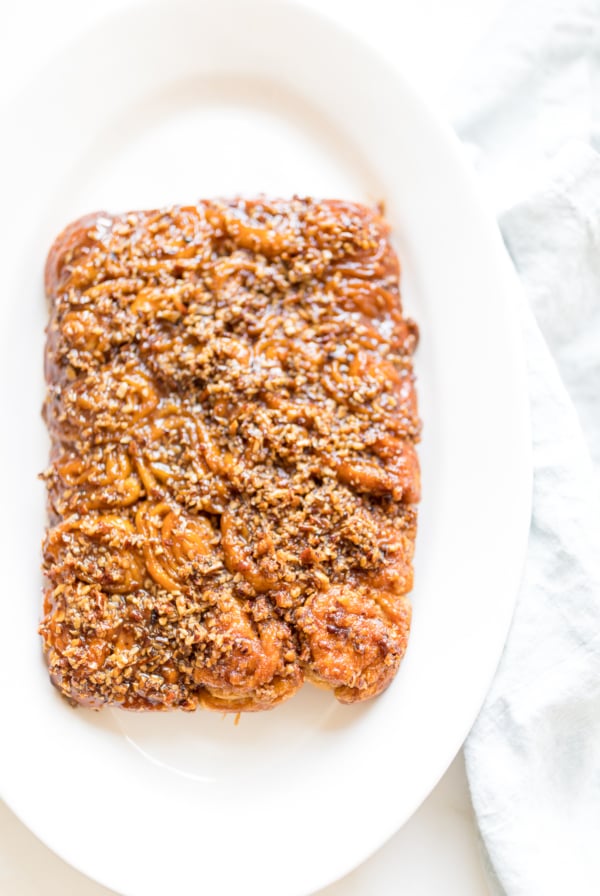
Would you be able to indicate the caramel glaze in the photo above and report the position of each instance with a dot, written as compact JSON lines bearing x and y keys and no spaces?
{"x":233,"y":476}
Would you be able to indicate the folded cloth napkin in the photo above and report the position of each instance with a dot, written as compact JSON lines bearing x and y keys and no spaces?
{"x":528,"y":108}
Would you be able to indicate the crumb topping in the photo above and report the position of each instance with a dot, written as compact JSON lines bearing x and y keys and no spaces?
{"x":233,"y":475}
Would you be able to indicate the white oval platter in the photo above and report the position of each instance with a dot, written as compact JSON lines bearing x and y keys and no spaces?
{"x":167,"y":104}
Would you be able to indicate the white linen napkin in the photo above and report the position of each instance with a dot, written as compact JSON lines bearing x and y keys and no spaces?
{"x":528,"y":107}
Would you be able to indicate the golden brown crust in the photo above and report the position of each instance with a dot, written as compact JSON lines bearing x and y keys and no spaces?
{"x":233,"y":476}
{"x":353,"y":638}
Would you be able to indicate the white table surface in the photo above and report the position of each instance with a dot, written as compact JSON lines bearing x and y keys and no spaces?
{"x":437,"y":851}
